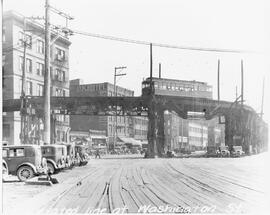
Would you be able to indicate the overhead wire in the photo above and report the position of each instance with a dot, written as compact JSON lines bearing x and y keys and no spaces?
{"x":141,"y":42}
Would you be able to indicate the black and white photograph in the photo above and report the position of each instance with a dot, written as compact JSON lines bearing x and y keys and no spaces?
{"x":135,"y":107}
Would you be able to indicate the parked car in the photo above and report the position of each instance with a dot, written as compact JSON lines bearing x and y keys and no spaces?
{"x":56,"y":156}
{"x":170,"y":154}
{"x":70,"y":158}
{"x":25,"y":161}
{"x":237,"y":151}
{"x":81,"y":155}
{"x":224,"y":151}
{"x":212,"y":151}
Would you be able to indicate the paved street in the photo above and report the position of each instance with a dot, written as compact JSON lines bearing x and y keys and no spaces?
{"x":133,"y":184}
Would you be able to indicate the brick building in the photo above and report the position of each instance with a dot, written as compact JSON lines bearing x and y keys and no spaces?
{"x":133,"y":127}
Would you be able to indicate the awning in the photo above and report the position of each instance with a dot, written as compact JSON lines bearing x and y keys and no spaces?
{"x":98,"y":137}
{"x":129,"y":140}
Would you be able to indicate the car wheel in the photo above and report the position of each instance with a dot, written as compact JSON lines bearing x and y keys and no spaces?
{"x":4,"y":170}
{"x":25,"y":172}
{"x":51,"y":168}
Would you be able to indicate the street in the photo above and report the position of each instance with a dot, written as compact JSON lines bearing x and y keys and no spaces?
{"x":133,"y":184}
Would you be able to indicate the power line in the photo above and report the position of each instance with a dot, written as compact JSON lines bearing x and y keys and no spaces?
{"x":140,"y":42}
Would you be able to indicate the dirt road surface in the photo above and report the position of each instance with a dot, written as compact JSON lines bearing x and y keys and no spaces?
{"x":132,"y":185}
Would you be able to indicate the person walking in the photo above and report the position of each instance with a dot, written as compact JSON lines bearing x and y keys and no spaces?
{"x":97,"y":153}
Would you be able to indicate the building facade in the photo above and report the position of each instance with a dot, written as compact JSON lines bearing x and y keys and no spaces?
{"x":139,"y":128}
{"x":13,"y":58}
{"x":134,"y":127}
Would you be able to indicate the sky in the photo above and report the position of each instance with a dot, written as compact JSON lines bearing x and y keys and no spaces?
{"x":223,"y":24}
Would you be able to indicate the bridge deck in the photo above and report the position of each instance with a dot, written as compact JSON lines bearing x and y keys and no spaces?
{"x":73,"y":105}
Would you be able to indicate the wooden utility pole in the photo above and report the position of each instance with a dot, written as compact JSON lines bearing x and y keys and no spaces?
{"x":262,"y":98}
{"x":23,"y":89}
{"x":115,"y":94}
{"x":152,"y":114}
{"x":159,"y":70}
{"x":47,"y":78}
{"x":151,"y":65}
{"x":218,"y":81}
{"x":242,"y":83}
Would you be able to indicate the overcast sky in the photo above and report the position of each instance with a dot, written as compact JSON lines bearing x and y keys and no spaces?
{"x":225,"y":24}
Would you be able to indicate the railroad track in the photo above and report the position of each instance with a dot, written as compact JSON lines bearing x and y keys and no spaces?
{"x":147,"y":186}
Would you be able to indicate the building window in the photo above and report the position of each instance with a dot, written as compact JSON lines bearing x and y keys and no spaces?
{"x":24,"y":37}
{"x":29,"y":90}
{"x":28,"y":39}
{"x":21,"y":63}
{"x":40,"y":90}
{"x":6,"y":130}
{"x":29,"y":65}
{"x":60,"y":54}
{"x":40,"y":69}
{"x":40,"y":46}
{"x":60,"y":75}
{"x":59,"y":92}
{"x":21,"y":38}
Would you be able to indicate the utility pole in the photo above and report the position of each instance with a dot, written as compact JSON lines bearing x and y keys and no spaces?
{"x":151,"y":66}
{"x":218,"y":81}
{"x":47,"y":78}
{"x":159,"y":70}
{"x":262,"y":98}
{"x":115,"y":94}
{"x":242,"y":83}
{"x":23,"y":92}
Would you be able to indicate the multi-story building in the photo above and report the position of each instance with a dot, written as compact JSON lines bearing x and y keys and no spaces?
{"x":171,"y":130}
{"x":13,"y":58}
{"x":197,"y":135}
{"x":140,"y":128}
{"x":216,"y":134}
{"x":125,"y":125}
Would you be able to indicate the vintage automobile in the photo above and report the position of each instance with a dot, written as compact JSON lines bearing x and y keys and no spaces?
{"x":25,"y":161}
{"x":237,"y":151}
{"x":212,"y":151}
{"x":70,"y":160}
{"x":224,"y":151}
{"x":81,"y":155}
{"x":56,"y":155}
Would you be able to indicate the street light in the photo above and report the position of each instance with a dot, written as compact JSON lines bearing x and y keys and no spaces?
{"x":115,"y":94}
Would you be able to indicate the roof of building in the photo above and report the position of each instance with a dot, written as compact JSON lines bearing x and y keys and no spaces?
{"x":19,"y":17}
{"x":74,"y":83}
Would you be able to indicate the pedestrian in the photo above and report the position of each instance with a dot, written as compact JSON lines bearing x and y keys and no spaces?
{"x":97,"y":153}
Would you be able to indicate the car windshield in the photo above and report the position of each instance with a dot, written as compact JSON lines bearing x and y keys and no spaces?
{"x":237,"y":147}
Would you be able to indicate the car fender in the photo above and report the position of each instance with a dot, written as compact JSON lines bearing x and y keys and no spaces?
{"x":52,"y":162}
{"x":28,"y":164}
{"x":4,"y":163}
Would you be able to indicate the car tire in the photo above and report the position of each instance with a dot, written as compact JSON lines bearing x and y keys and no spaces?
{"x":24,"y":173}
{"x":4,"y":170}
{"x":51,"y":168}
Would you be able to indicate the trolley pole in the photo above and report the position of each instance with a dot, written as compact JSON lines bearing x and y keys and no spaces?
{"x":47,"y":78}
